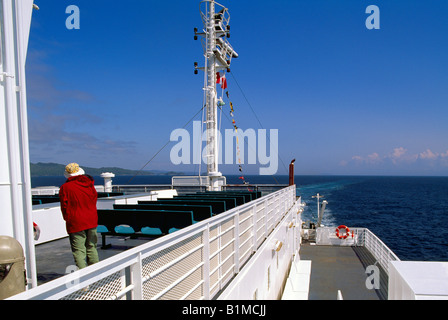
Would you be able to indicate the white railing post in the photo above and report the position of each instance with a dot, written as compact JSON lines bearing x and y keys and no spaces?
{"x":206,"y":255}
{"x":136,"y":278}
{"x":266,"y":218}
{"x":254,"y":228}
{"x":220,"y":259}
{"x":236,"y":242}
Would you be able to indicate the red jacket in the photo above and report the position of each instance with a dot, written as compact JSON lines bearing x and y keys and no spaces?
{"x":78,"y":203}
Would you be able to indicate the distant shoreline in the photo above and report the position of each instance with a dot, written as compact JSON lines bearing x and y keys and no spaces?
{"x":55,"y":169}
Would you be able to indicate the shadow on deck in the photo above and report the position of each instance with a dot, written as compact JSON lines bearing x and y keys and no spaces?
{"x":55,"y":259}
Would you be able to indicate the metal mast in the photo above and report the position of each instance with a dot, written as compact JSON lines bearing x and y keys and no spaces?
{"x":211,"y":94}
{"x":320,"y":209}
{"x":218,"y":55}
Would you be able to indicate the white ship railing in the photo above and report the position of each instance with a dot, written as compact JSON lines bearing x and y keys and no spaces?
{"x":362,"y":237}
{"x":376,"y":247}
{"x":193,"y":263}
{"x":144,"y":188}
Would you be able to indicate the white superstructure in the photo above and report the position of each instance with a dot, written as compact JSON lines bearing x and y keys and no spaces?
{"x":15,"y":182}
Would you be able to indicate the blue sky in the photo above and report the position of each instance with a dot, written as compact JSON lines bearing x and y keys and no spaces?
{"x":345,"y":99}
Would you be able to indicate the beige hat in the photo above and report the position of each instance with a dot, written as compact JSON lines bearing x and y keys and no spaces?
{"x":73,"y":170}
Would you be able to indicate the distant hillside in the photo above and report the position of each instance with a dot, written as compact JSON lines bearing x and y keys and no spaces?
{"x":55,"y":169}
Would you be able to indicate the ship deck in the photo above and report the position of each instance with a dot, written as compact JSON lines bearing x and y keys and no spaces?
{"x":333,"y":268}
{"x":336,"y":268}
{"x":54,"y":258}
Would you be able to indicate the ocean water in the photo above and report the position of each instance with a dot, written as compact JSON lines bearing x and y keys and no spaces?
{"x":409,"y":214}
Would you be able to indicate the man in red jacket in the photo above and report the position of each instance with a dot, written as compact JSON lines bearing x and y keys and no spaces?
{"x":78,"y":205}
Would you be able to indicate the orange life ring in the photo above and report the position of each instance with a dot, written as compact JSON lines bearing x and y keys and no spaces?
{"x":347,"y":232}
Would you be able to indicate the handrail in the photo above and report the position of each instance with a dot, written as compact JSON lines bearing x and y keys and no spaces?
{"x":362,"y":237}
{"x":173,"y":267}
{"x":379,"y":250}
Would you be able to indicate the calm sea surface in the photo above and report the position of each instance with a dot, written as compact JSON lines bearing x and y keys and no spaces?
{"x":409,"y":214}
